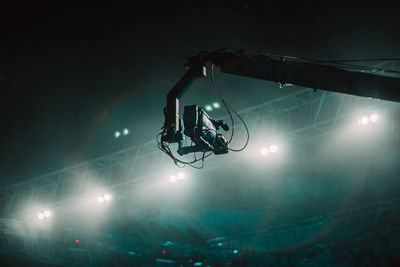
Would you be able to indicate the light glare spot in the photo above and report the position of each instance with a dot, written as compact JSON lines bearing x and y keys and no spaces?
{"x":273,"y":148}
{"x":208,"y":107}
{"x":373,"y":118}
{"x":107,"y":197}
{"x":100,"y":199}
{"x":117,"y":134}
{"x":364,"y":120}
{"x":216,"y":105}
{"x":181,"y":175}
{"x":264,"y":151}
{"x":47,"y":214}
{"x":125,"y":131}
{"x":172,"y":178}
{"x":41,"y":216}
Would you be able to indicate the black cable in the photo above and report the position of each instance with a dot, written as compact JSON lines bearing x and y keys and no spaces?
{"x":163,"y":146}
{"x":228,"y":108}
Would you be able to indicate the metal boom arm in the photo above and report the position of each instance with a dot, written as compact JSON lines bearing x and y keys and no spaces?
{"x":285,"y":70}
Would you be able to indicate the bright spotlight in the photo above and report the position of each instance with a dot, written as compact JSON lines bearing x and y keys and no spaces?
{"x":107,"y":197}
{"x":208,"y":107}
{"x":172,"y":178}
{"x":273,"y":148}
{"x":41,"y":216}
{"x":264,"y":151}
{"x":373,"y":117}
{"x":47,"y":214}
{"x":125,"y":131}
{"x":364,"y":120}
{"x":117,"y":134}
{"x":181,"y":175}
{"x":100,"y":199}
{"x":216,"y":105}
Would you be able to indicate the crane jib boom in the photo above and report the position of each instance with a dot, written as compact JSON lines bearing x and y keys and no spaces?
{"x":285,"y":70}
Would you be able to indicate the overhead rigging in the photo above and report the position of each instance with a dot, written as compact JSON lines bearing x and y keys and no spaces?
{"x":334,"y":75}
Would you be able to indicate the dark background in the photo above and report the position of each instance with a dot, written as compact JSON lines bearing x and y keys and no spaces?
{"x":71,"y":74}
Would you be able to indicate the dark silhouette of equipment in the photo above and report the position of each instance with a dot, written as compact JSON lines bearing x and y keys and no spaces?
{"x":202,"y":129}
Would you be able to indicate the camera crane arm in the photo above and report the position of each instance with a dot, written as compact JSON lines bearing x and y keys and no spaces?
{"x":285,"y":70}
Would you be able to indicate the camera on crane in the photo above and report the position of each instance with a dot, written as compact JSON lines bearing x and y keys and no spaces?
{"x":202,"y":130}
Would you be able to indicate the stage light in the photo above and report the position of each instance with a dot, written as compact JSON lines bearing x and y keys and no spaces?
{"x":117,"y":134}
{"x":181,"y":175}
{"x":264,"y":151}
{"x":364,"y":120}
{"x":198,"y":263}
{"x":47,"y":214}
{"x":77,"y":241}
{"x":125,"y":131}
{"x":208,"y":108}
{"x":373,"y":117}
{"x":273,"y":148}
{"x":41,"y":216}
{"x":216,"y":105}
{"x":164,"y":251}
{"x":100,"y":199}
{"x":235,"y":251}
{"x":172,"y":178}
{"x":107,"y":197}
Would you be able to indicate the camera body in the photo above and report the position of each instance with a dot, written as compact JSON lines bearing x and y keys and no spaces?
{"x":202,"y":129}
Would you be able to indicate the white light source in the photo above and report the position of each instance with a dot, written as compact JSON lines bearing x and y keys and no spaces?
{"x":216,"y":105}
{"x":181,"y":175}
{"x":172,"y":178}
{"x":373,"y":117}
{"x":125,"y":131}
{"x":264,"y":151}
{"x":47,"y":214}
{"x":364,"y":120}
{"x":208,"y":107}
{"x":273,"y":148}
{"x":41,"y":216}
{"x":117,"y":134}
{"x":100,"y":199}
{"x":107,"y":197}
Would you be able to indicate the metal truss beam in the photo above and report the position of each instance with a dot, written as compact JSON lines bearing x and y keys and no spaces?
{"x":304,"y":115}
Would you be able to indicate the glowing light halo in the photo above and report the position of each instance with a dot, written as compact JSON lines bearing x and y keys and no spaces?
{"x":107,"y":197}
{"x":373,"y":117}
{"x":100,"y":199}
{"x":181,"y":175}
{"x":172,"y":178}
{"x":273,"y":148}
{"x":264,"y":151}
